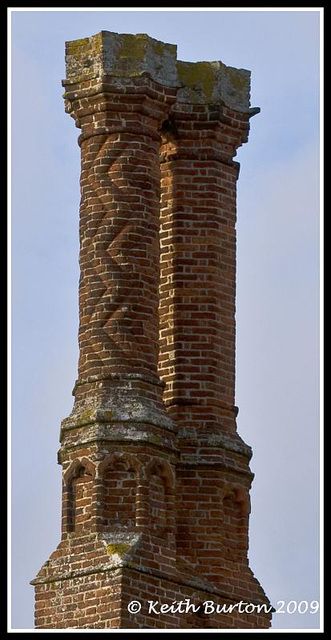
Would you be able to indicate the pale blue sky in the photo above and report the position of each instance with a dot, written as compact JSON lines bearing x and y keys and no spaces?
{"x":277,"y":283}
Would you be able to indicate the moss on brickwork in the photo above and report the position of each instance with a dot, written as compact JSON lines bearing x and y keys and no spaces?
{"x":97,"y":42}
{"x":91,"y":45}
{"x":87,"y":415}
{"x":77,"y":46}
{"x":154,"y":439}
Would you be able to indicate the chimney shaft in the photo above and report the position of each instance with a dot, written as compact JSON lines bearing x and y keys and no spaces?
{"x":155,"y":477}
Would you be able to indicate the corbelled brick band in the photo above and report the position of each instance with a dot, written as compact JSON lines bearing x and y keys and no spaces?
{"x":155,"y":477}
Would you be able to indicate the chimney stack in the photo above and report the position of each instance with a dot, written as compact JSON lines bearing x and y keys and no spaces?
{"x":156,"y":479}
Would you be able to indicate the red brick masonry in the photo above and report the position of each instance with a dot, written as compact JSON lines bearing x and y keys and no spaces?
{"x":156,"y":479}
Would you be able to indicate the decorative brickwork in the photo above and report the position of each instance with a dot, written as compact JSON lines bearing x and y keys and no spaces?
{"x":156,"y":479}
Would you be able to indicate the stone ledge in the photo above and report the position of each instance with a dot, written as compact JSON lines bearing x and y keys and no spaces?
{"x":182,"y":577}
{"x":118,"y":410}
{"x":121,"y":55}
{"x":229,"y":442}
{"x":118,"y":435}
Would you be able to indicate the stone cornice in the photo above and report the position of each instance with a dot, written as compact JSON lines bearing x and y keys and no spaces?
{"x":129,"y":56}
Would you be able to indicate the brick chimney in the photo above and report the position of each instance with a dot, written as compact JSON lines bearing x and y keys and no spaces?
{"x":156,"y":479}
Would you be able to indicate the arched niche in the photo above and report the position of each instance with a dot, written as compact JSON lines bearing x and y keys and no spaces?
{"x":78,"y":495}
{"x":119,"y":481}
{"x":160,"y":482}
{"x":236,"y":507}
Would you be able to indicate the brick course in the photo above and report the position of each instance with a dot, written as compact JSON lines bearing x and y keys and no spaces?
{"x":156,"y":478}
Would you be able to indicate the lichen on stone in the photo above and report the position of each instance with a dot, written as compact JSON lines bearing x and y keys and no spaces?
{"x":96,"y":42}
{"x":133,"y":47}
{"x":198,"y":76}
{"x":87,"y":416}
{"x":119,"y":548}
{"x":238,"y":80}
{"x":158,"y":47}
{"x":77,"y":46}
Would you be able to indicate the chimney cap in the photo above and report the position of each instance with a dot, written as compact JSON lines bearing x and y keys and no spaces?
{"x":133,"y":55}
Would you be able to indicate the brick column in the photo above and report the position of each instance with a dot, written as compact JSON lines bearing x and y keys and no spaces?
{"x":209,"y":121}
{"x":119,"y":106}
{"x":198,"y":246}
